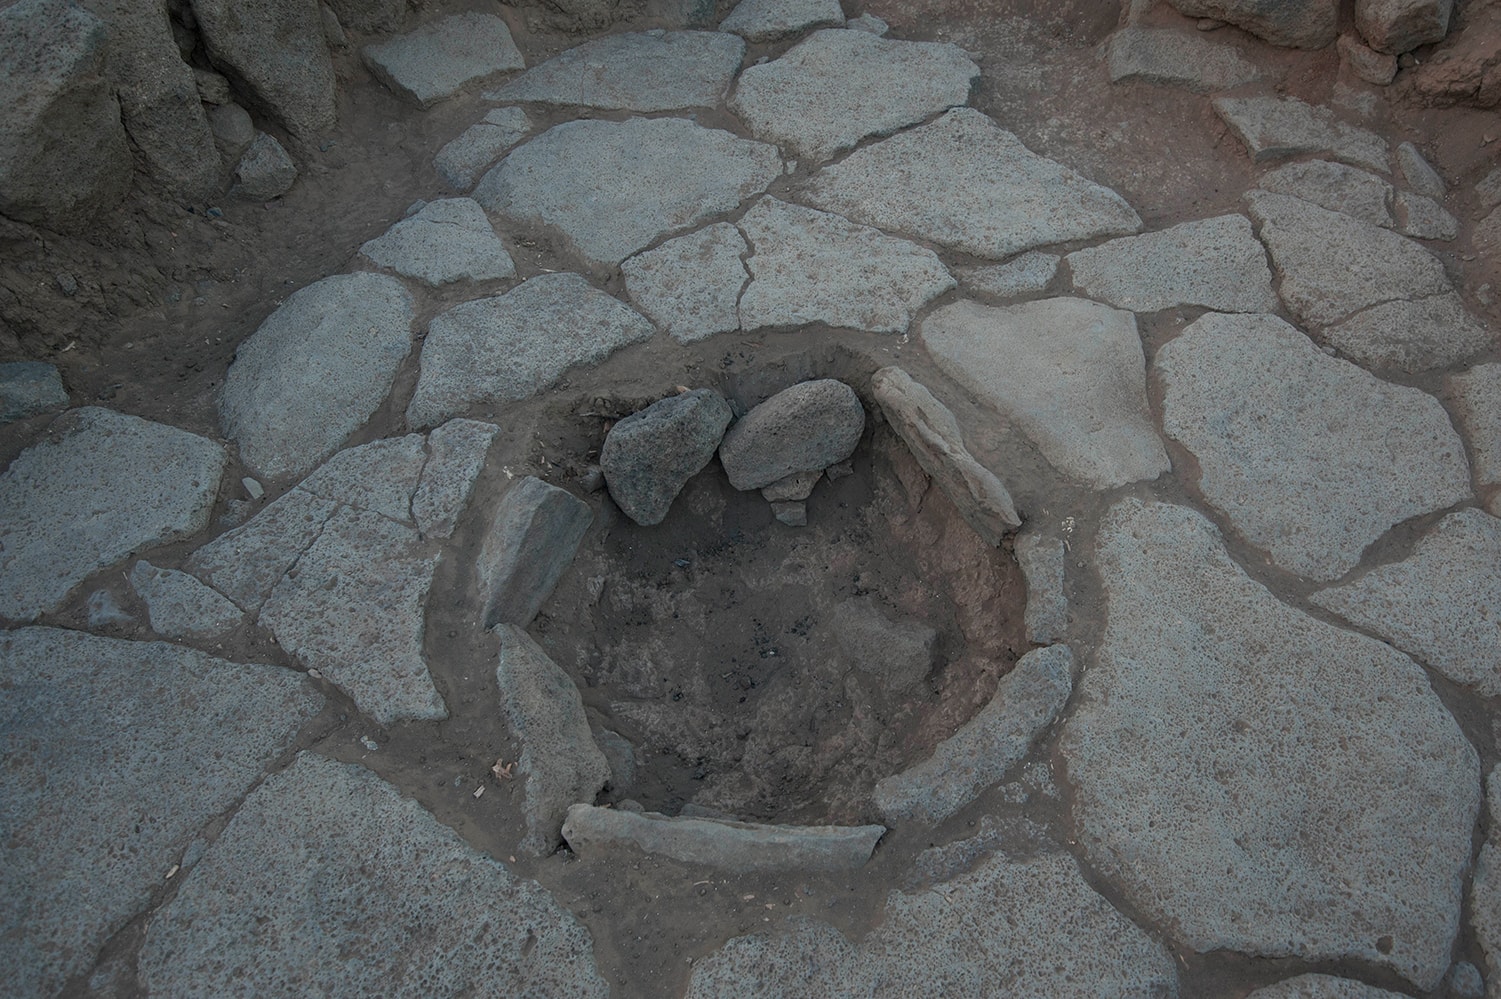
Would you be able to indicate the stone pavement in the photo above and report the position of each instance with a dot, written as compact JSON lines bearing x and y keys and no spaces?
{"x":1264,"y":561}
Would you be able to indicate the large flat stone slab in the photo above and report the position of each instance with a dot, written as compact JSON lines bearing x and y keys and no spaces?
{"x":768,"y":20}
{"x":107,"y":715}
{"x":1221,"y":734}
{"x":437,"y":60}
{"x":97,"y":487}
{"x":614,"y":187}
{"x":447,"y":240}
{"x":315,"y":370}
{"x":1177,"y":59}
{"x":245,"y":563}
{"x":964,"y":182}
{"x":813,"y":267}
{"x":1215,"y":263}
{"x":513,"y":346}
{"x":1411,"y":336}
{"x":641,"y":71}
{"x":1276,"y":128}
{"x":690,"y":286}
{"x":328,"y":880}
{"x":1441,"y":604}
{"x":1360,"y":194}
{"x":1309,"y":457}
{"x":1070,"y":374}
{"x":838,"y":86}
{"x":462,"y":160}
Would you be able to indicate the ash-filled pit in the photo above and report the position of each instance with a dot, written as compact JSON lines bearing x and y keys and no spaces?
{"x":774,"y":673}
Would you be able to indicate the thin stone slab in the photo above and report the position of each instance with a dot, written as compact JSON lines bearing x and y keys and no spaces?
{"x":1309,"y":457}
{"x":1025,"y":703}
{"x":1419,"y":173}
{"x":1040,"y":559}
{"x":615,"y":187}
{"x":650,"y":455}
{"x":1477,"y":408}
{"x":1441,"y":604}
{"x":83,"y":712}
{"x":30,"y":388}
{"x":180,"y":607}
{"x":380,"y":476}
{"x":933,"y":436}
{"x":461,"y":161}
{"x":768,"y":20}
{"x":315,"y":370}
{"x":840,"y":86}
{"x":690,"y":286}
{"x":598,"y":834}
{"x":318,"y":885}
{"x":1332,"y":265}
{"x":642,"y":71}
{"x":1028,"y":274}
{"x":1215,"y":263}
{"x":246,"y":563}
{"x":530,"y":544}
{"x":447,"y":240}
{"x":964,"y":182}
{"x":803,"y":428}
{"x":455,"y":457}
{"x":1177,"y":59}
{"x":1034,"y":924}
{"x":439,"y":59}
{"x":1424,"y":218}
{"x":515,"y":345}
{"x":97,"y":487}
{"x":559,"y":760}
{"x":1071,"y":375}
{"x":1420,"y":335}
{"x":1337,"y":187}
{"x":1322,"y":987}
{"x":353,"y":607}
{"x":1275,"y":128}
{"x":1220,"y":735}
{"x":813,"y":267}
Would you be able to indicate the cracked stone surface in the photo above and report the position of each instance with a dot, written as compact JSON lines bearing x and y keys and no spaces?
{"x":1433,"y":332}
{"x":1339,"y":188}
{"x":690,"y":286}
{"x":440,"y":58}
{"x":462,"y":161}
{"x":1280,"y":127}
{"x":180,"y":607}
{"x":768,"y":20}
{"x":447,"y":240}
{"x":1028,"y":274}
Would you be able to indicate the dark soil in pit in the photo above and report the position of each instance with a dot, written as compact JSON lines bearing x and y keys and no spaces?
{"x":743,"y":658}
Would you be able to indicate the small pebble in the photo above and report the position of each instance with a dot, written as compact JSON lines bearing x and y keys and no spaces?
{"x":253,"y":489}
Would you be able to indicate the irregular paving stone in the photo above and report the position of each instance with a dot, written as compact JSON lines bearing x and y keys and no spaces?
{"x":1221,"y":734}
{"x":964,"y":182}
{"x":461,"y":161}
{"x":1366,"y":63}
{"x":1433,"y":332}
{"x":1215,"y":263}
{"x":1424,"y":218}
{"x":808,"y":426}
{"x":380,"y":476}
{"x":1485,"y":891}
{"x":1322,"y":987}
{"x":644,"y":71}
{"x":737,"y":847}
{"x":559,"y":758}
{"x":353,"y":608}
{"x":275,"y":53}
{"x":1399,"y":26}
{"x":649,"y":456}
{"x":530,"y":543}
{"x":1304,"y":25}
{"x":180,"y":606}
{"x":898,"y":652}
{"x":315,"y":370}
{"x":768,"y":20}
{"x":513,"y":346}
{"x":1337,"y":187}
{"x":97,"y":487}
{"x":442,"y":57}
{"x":1308,"y":456}
{"x":318,"y":884}
{"x":690,"y":286}
{"x":265,"y":171}
{"x":933,"y":436}
{"x":1033,"y":924}
{"x":86,"y":712}
{"x":246,"y":563}
{"x":1332,"y":265}
{"x":614,"y":187}
{"x":838,"y":86}
{"x":1027,"y":274}
{"x":979,"y":754}
{"x":1419,"y":173}
{"x":30,"y":388}
{"x":1041,"y":561}
{"x":1279,"y":127}
{"x":1177,"y":59}
{"x":809,"y":266}
{"x":448,"y":240}
{"x":1440,"y":605}
{"x":455,"y":457}
{"x":1477,"y":407}
{"x":1070,"y":373}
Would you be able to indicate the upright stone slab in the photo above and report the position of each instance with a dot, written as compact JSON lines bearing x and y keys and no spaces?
{"x":691,"y":286}
{"x":1220,"y":735}
{"x":1177,"y":59}
{"x":837,"y":87}
{"x":455,"y":457}
{"x":442,"y":57}
{"x":1419,"y":173}
{"x":804,"y":428}
{"x":315,"y":370}
{"x":1307,"y":456}
{"x":530,"y":544}
{"x":274,"y":52}
{"x":165,"y":739}
{"x":318,"y":884}
{"x":615,"y":187}
{"x":649,"y":456}
{"x":447,"y":240}
{"x":1069,"y":373}
{"x":1279,"y":127}
{"x":964,"y":182}
{"x":768,"y":20}
{"x":461,"y":161}
{"x":97,"y":487}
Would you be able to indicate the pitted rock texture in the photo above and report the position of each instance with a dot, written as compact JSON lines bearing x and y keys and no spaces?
{"x":180,"y":607}
{"x":530,"y":543}
{"x":649,"y":456}
{"x":447,"y":240}
{"x":440,"y":58}
{"x":1041,"y":560}
{"x":1308,"y":456}
{"x":1412,"y":336}
{"x":245,"y":563}
{"x":691,"y":286}
{"x":1029,"y":273}
{"x":964,"y":182}
{"x":1220,"y":735}
{"x":804,"y":428}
